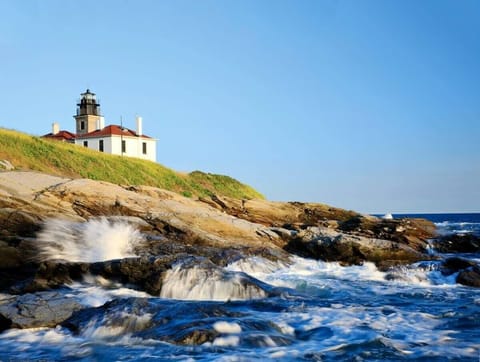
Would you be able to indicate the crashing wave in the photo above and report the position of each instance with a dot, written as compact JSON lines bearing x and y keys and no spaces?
{"x":426,"y":273}
{"x":209,"y":283}
{"x":255,"y":266}
{"x":91,"y":241}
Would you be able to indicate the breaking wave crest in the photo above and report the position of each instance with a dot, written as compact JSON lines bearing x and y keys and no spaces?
{"x":91,"y":241}
{"x":198,"y":283}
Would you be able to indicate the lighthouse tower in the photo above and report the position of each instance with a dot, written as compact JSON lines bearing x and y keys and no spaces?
{"x":88,"y":118}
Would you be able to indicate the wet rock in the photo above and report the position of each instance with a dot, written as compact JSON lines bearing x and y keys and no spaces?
{"x":455,"y":264}
{"x":457,"y":243}
{"x":144,"y":273}
{"x":177,"y":322}
{"x":43,"y":309}
{"x":171,"y":321}
{"x":470,"y":277}
{"x":468,"y":271}
{"x":330,"y":245}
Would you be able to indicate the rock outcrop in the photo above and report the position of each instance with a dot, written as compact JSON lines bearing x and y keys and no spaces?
{"x":332,"y":245}
{"x":219,"y":228}
{"x":457,"y":243}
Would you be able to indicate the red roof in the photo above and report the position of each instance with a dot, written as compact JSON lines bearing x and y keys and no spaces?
{"x":111,"y":130}
{"x":61,"y":136}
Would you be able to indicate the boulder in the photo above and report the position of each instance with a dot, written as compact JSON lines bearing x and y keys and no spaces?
{"x":468,"y":271}
{"x":470,"y":277}
{"x":43,"y":309}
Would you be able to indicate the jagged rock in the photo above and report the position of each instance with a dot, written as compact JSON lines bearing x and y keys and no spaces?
{"x":411,"y":232}
{"x":43,"y":309}
{"x":457,"y":243}
{"x":295,"y":216}
{"x":330,"y":245}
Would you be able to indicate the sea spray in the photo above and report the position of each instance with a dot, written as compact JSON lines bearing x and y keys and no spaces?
{"x":91,"y":241}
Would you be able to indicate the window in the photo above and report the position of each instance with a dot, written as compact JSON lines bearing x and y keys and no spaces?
{"x":124,"y":146}
{"x":82,"y":125}
{"x":144,"y":148}
{"x":100,"y":145}
{"x":85,"y":143}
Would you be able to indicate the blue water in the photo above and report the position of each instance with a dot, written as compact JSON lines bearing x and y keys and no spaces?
{"x":322,"y":312}
{"x":451,"y":223}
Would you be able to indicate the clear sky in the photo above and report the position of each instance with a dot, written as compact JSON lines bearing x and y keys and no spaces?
{"x":366,"y":105}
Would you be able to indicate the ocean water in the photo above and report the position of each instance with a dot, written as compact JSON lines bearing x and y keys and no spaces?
{"x":318,"y":312}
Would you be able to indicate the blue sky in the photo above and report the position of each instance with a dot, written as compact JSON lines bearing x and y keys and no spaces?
{"x":367,"y":105}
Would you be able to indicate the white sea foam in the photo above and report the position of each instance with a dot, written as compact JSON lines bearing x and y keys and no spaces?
{"x":227,"y":328}
{"x":92,"y":295}
{"x":348,"y":325}
{"x":449,"y":227}
{"x":92,"y":241}
{"x":301,"y":270}
{"x":24,"y":343}
{"x":421,"y":274}
{"x":302,"y":273}
{"x":197,"y":283}
{"x":229,"y":341}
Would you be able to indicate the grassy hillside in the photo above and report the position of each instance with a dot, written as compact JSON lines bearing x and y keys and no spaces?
{"x":27,"y":152}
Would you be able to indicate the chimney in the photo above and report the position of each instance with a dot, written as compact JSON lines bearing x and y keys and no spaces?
{"x":97,"y":126}
{"x":139,"y":126}
{"x":102,"y":122}
{"x":55,"y":128}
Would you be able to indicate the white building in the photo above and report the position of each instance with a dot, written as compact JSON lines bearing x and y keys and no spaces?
{"x":112,"y":139}
{"x":118,"y":140}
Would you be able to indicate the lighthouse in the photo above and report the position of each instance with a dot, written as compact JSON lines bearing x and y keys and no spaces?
{"x":88,"y":117}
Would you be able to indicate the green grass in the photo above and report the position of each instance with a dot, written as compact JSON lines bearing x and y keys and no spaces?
{"x":27,"y":152}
